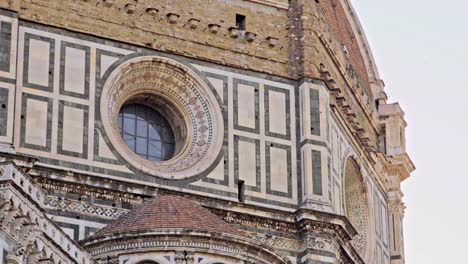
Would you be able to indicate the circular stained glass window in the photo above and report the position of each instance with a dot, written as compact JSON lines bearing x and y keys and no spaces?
{"x":146,"y":132}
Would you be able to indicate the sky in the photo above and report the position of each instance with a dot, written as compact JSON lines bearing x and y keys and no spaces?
{"x":421,"y":51}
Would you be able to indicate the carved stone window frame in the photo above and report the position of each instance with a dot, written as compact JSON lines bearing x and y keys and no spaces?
{"x":183,"y":95}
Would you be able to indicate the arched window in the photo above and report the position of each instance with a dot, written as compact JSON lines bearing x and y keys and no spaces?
{"x":146,"y":132}
{"x":356,"y":204}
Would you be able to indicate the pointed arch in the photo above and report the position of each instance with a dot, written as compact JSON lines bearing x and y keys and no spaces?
{"x":356,"y":204}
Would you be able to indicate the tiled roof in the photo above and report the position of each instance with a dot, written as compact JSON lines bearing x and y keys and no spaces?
{"x":336,"y":18}
{"x":169,"y":212}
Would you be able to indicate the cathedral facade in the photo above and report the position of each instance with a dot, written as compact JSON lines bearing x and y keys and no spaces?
{"x":196,"y":132}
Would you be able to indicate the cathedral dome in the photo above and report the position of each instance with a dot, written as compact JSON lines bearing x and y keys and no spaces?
{"x":175,"y":229}
{"x":167,"y":212}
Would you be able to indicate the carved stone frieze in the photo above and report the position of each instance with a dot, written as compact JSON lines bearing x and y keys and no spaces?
{"x":101,"y":211}
{"x":276,"y":242}
{"x":235,"y":247}
{"x":319,"y":244}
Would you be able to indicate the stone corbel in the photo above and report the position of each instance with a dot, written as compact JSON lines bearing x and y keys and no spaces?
{"x":214,"y":28}
{"x":193,"y":23}
{"x":151,"y":11}
{"x":250,"y":36}
{"x":8,"y":217}
{"x":272,"y":41}
{"x":233,"y":32}
{"x":172,"y":18}
{"x":130,"y":8}
{"x":108,"y":3}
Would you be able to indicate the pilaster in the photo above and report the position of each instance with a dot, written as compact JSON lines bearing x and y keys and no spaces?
{"x":396,"y":213}
{"x":314,"y":152}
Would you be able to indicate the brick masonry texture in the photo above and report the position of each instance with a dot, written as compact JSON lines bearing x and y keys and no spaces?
{"x":177,"y":26}
{"x":335,"y":17}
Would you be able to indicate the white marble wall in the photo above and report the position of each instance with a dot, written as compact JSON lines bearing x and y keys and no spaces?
{"x":262,"y":144}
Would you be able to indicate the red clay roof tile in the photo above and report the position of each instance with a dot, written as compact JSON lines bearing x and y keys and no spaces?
{"x":169,"y":212}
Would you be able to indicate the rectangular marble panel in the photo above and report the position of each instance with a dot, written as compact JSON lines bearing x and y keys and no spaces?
{"x":279,"y":169}
{"x":72,"y":230}
{"x":315,"y":112}
{"x":38,"y":62}
{"x":74,"y":70}
{"x":3,"y":111}
{"x":72,"y":129}
{"x":218,"y":84}
{"x":5,"y":45}
{"x":279,"y":179}
{"x":246,"y":106}
{"x":247,"y":163}
{"x":36,"y":122}
{"x":383,"y":211}
{"x":103,"y":149}
{"x":337,"y":198}
{"x":246,"y":110}
{"x":106,"y":62}
{"x":75,"y":63}
{"x":317,"y":172}
{"x":218,"y":173}
{"x":277,"y":112}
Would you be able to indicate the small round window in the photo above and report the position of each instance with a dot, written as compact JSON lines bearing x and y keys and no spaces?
{"x":146,"y":132}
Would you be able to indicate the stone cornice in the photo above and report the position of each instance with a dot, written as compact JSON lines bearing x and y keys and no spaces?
{"x":304,"y":221}
{"x":400,"y":165}
{"x":173,"y":239}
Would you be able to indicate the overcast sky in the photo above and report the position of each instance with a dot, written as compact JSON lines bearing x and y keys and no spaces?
{"x":421,"y":50}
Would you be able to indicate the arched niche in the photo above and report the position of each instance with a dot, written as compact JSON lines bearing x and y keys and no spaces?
{"x":356,"y":205}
